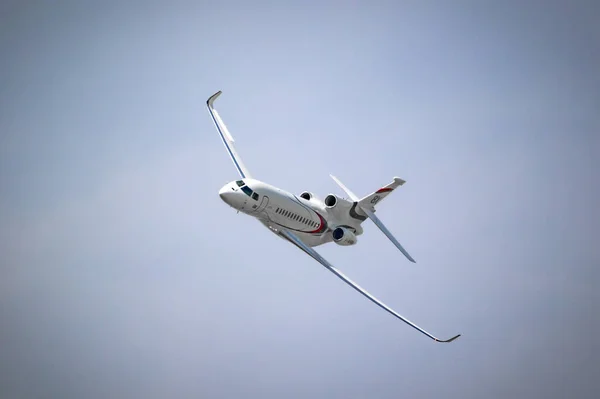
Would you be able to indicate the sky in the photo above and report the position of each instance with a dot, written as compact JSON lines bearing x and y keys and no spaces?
{"x":123,"y":274}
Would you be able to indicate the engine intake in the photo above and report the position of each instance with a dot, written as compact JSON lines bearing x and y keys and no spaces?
{"x":331,"y":200}
{"x":344,"y":236}
{"x":307,"y":195}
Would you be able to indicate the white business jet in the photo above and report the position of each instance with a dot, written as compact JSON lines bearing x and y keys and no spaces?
{"x":305,"y":220}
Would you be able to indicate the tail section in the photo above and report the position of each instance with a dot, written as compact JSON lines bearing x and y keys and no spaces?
{"x":367,"y":204}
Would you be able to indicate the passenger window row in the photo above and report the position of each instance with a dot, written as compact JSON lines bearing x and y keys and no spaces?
{"x":293,"y":216}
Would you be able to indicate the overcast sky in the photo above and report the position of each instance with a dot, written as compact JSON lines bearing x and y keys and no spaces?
{"x":123,"y":274}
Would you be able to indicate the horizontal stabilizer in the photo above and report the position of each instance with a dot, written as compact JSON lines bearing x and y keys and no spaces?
{"x":389,"y":235}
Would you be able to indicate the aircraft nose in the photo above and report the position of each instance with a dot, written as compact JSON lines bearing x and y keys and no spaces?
{"x":226,"y":194}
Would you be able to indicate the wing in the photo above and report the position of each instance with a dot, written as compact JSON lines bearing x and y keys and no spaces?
{"x":315,"y":255}
{"x":226,"y":136}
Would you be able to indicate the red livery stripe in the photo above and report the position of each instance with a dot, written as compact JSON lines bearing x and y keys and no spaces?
{"x":321,"y":227}
{"x":383,"y":190}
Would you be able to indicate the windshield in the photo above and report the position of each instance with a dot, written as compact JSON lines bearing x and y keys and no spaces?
{"x":247,"y":190}
{"x":240,"y":183}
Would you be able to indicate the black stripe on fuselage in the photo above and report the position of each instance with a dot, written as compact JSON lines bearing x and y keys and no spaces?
{"x":355,"y":215}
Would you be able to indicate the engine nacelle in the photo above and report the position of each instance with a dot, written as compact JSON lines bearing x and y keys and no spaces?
{"x":332,"y":200}
{"x":344,"y":236}
{"x":307,"y":195}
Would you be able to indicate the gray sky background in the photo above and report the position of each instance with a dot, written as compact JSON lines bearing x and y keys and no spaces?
{"x":123,"y":274}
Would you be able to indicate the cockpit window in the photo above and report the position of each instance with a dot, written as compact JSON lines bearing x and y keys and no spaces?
{"x":247,"y":191}
{"x":255,"y":197}
{"x":240,"y":183}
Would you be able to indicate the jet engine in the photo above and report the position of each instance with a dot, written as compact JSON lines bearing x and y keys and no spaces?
{"x":344,"y":236}
{"x":331,"y":200}
{"x":307,"y":195}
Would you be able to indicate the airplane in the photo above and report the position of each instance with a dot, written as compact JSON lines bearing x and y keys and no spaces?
{"x":305,"y":220}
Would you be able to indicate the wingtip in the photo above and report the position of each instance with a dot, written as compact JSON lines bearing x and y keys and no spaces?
{"x":448,"y":340}
{"x":410,"y":258}
{"x":212,"y":98}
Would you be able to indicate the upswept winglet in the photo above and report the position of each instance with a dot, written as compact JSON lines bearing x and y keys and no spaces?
{"x":226,"y":136}
{"x":449,"y":340}
{"x":291,"y":237}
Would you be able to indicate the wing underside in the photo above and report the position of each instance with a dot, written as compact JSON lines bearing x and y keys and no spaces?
{"x":226,"y":136}
{"x":291,"y":237}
